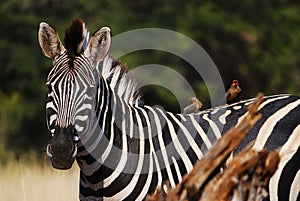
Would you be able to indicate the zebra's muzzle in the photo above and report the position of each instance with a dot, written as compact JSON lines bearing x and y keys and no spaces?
{"x":50,"y":154}
{"x":62,"y":163}
{"x":62,"y":149}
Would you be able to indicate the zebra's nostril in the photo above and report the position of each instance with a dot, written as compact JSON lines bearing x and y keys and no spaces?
{"x":49,"y":151}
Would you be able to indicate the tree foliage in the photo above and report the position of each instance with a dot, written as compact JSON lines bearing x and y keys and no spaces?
{"x":256,"y":42}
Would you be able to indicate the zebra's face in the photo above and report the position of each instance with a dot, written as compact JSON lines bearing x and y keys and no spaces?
{"x":69,"y":107}
{"x":71,"y":86}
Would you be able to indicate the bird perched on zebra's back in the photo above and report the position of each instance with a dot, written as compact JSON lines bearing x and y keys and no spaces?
{"x":194,"y":107}
{"x":233,"y":92}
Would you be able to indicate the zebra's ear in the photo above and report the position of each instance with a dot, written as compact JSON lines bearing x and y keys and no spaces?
{"x":99,"y":45}
{"x":49,"y":41}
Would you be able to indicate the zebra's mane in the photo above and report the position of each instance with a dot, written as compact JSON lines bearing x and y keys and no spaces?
{"x":113,"y":71}
{"x":120,"y":80}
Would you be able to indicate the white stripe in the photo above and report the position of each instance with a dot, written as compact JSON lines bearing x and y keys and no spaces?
{"x":158,"y":170}
{"x":162,"y":146}
{"x":270,"y":123}
{"x":222,"y":118}
{"x":130,"y":187}
{"x":152,"y":151}
{"x":286,"y":153}
{"x":177,"y":169}
{"x":52,"y":118}
{"x":180,"y":150}
{"x":149,"y":137}
{"x":201,"y":133}
{"x":110,"y":144}
{"x":106,"y":66}
{"x":191,"y":140}
{"x":79,"y":128}
{"x":295,"y":188}
{"x":183,"y":117}
{"x":115,"y":77}
{"x":146,"y":187}
{"x":260,"y":106}
{"x":81,"y":118}
{"x":50,"y":105}
{"x":84,"y":107}
{"x":271,"y":100}
{"x":108,"y":148}
{"x":213,"y":126}
{"x":237,"y":107}
{"x":131,"y":123}
{"x":118,"y":170}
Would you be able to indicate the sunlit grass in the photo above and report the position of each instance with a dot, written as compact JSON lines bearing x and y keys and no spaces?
{"x":35,"y":182}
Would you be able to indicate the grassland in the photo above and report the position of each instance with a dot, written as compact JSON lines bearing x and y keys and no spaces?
{"x":35,"y":182}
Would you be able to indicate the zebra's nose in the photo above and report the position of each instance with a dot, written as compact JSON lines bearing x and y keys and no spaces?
{"x":62,"y":148}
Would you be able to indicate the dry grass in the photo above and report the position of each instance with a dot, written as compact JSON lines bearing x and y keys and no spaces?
{"x":34,"y":182}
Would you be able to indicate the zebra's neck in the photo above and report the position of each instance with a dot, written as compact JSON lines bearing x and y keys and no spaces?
{"x":138,"y":143}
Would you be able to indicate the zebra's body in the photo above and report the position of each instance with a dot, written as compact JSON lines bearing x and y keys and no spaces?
{"x":126,"y":148}
{"x":184,"y":138}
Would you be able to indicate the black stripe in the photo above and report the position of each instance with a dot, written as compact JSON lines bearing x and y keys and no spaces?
{"x":123,"y":179}
{"x":288,"y":175}
{"x":138,"y":188}
{"x":164,"y":174}
{"x":166,"y":135}
{"x":232,"y":120}
{"x":184,"y":141}
{"x":140,"y":185}
{"x":283,"y":129}
{"x":155,"y":143}
{"x":154,"y":179}
{"x":205,"y":126}
{"x":86,"y":191}
{"x":100,"y":174}
{"x":181,"y":166}
{"x":142,"y":118}
{"x":133,"y":145}
{"x":214,"y":116}
{"x":268,"y":110}
{"x":118,"y":184}
{"x":98,"y":99}
{"x":192,"y":130}
{"x":174,"y":173}
{"x":192,"y":155}
{"x":89,"y":159}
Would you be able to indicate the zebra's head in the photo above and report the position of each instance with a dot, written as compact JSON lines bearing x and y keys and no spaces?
{"x":71,"y":84}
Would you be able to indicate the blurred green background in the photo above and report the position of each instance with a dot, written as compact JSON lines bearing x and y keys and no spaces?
{"x":256,"y":42}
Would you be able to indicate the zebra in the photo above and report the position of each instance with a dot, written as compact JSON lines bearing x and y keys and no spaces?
{"x":125,"y":148}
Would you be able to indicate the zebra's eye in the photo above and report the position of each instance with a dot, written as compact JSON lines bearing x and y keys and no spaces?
{"x":75,"y":138}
